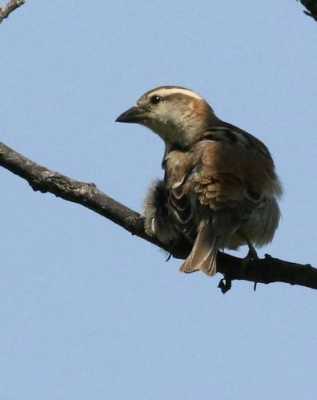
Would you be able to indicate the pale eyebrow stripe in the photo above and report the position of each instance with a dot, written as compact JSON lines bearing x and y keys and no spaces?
{"x":169,"y":91}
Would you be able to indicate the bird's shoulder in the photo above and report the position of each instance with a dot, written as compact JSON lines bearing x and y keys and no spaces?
{"x":228,"y":134}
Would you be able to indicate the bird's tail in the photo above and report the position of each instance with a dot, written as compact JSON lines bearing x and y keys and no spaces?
{"x":203,"y":256}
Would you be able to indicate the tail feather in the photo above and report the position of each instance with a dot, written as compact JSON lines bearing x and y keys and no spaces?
{"x":203,"y":256}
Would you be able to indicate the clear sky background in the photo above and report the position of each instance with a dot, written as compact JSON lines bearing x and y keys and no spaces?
{"x":86,"y":310}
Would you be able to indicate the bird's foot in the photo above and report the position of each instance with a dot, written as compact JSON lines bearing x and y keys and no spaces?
{"x":251,"y":257}
{"x":252,"y":254}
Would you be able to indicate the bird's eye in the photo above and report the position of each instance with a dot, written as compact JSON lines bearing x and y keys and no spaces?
{"x":156,"y":99}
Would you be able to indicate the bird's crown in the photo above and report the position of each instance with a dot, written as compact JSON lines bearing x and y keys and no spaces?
{"x":165,"y":92}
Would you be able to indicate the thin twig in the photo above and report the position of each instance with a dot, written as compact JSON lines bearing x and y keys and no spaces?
{"x":311,"y":7}
{"x":9,"y":8}
{"x":42,"y":179}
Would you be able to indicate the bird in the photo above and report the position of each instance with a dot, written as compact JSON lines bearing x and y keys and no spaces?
{"x":220,"y":188}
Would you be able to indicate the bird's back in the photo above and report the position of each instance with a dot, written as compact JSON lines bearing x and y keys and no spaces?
{"x":234,"y":174}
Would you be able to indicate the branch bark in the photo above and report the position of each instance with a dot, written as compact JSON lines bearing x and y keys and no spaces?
{"x":311,"y":7}
{"x":9,"y":8}
{"x":42,"y":179}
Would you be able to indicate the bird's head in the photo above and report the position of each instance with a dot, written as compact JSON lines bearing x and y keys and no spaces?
{"x":178,"y":115}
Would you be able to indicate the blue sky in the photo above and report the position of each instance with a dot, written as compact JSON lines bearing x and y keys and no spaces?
{"x":87,"y":310}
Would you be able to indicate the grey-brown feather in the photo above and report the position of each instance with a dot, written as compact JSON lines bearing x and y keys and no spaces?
{"x":156,"y":213}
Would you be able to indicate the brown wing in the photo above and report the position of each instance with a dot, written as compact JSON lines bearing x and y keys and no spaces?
{"x":228,"y":173}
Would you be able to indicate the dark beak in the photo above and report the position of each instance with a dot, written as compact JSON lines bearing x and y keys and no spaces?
{"x":133,"y":115}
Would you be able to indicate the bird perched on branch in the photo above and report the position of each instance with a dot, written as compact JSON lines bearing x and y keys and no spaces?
{"x":220,"y":188}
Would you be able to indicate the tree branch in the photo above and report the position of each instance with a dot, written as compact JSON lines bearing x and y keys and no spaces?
{"x":41,"y":179}
{"x":311,"y":6}
{"x":9,"y":8}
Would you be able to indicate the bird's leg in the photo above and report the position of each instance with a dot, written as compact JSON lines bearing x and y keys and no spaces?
{"x":251,"y":256}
